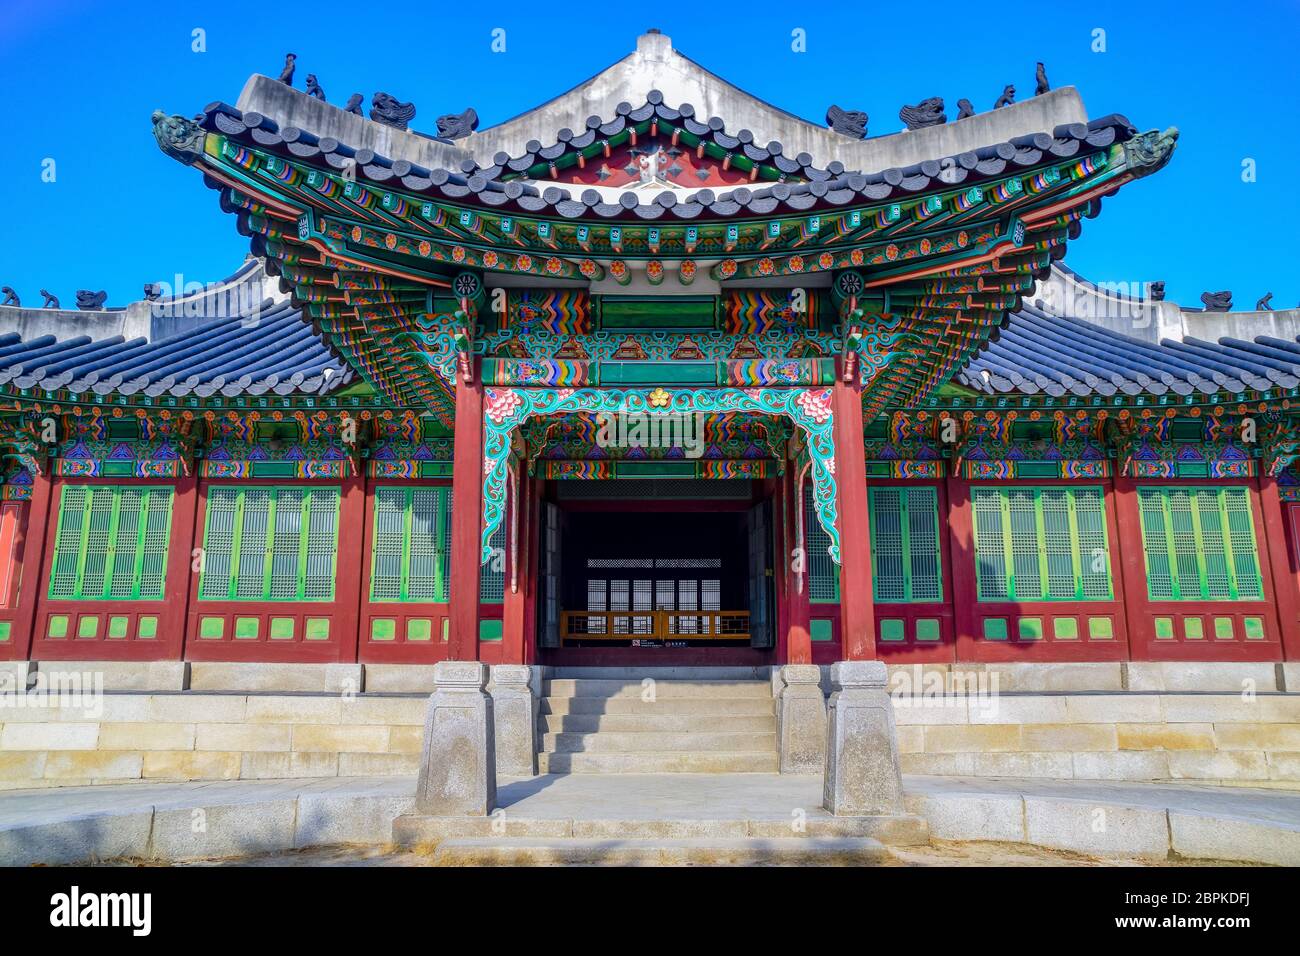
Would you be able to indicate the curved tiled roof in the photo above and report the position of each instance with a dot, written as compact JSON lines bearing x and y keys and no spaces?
{"x":1039,"y":352}
{"x":832,"y":186}
{"x":274,"y":351}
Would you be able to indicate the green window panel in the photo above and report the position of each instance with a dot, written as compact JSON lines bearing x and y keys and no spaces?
{"x":1065,"y":628}
{"x":110,"y":543}
{"x":88,"y":626}
{"x":6,"y":628}
{"x":905,"y":564}
{"x":823,"y":574}
{"x":490,"y":630}
{"x":117,"y":626}
{"x":1253,"y":626}
{"x":891,"y":629}
{"x":1193,"y":628}
{"x":57,"y":626}
{"x":1223,"y":628}
{"x":270,"y":543}
{"x":411,"y":546}
{"x":383,"y":629}
{"x":1030,"y":628}
{"x":995,"y":629}
{"x":419,"y":629}
{"x":927,"y":629}
{"x":1164,"y":628}
{"x":1041,"y":544}
{"x":1199,"y":544}
{"x":281,"y":629}
{"x":492,"y":575}
{"x":821,"y":629}
{"x":212,"y":628}
{"x":317,"y":629}
{"x":247,"y":628}
{"x":147,"y":627}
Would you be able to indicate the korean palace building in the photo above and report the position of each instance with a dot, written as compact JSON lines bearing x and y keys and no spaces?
{"x":656,"y":373}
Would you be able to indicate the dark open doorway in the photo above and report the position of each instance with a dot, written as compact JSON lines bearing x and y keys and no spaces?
{"x":656,"y":582}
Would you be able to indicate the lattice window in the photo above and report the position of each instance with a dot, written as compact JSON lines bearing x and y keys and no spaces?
{"x":823,"y":573}
{"x":111,"y":543}
{"x":1199,"y":544}
{"x":905,"y":559}
{"x":411,"y":544}
{"x":1041,"y":544}
{"x":270,"y":543}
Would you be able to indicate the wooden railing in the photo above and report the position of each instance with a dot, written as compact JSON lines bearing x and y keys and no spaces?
{"x":654,"y":625}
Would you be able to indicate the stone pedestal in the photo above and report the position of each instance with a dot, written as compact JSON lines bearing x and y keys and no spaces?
{"x":862,"y":772}
{"x":802,"y":720}
{"x":513,"y":712}
{"x":458,"y":764}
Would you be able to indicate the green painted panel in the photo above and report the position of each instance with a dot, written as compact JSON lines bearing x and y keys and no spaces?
{"x":658,"y":373}
{"x":6,"y":628}
{"x":1103,"y":628}
{"x":1065,"y":628}
{"x":821,"y":629}
{"x":1038,"y":469}
{"x":318,"y":629}
{"x":1193,"y":628}
{"x":275,"y":469}
{"x":657,"y":312}
{"x":88,"y":626}
{"x":118,"y":625}
{"x":435,"y":469}
{"x":58,"y":626}
{"x":117,"y":469}
{"x":891,"y":629}
{"x":490,"y":630}
{"x":146,"y":627}
{"x":1030,"y":628}
{"x":927,"y":629}
{"x":995,"y":629}
{"x":419,"y":629}
{"x":247,"y":628}
{"x":1164,"y":628}
{"x":1223,"y":629}
{"x":212,"y":627}
{"x":1254,"y":627}
{"x":655,"y":469}
{"x":383,"y":629}
{"x":282,"y":628}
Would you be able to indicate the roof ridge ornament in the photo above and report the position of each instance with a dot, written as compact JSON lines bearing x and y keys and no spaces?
{"x":852,"y":123}
{"x":928,"y":112}
{"x":387,"y":109}
{"x":179,"y":138}
{"x":1151,"y":150}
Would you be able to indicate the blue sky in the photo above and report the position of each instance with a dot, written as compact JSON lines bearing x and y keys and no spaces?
{"x":81,"y":79}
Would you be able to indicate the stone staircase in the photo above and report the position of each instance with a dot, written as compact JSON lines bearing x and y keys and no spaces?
{"x":658,"y":720}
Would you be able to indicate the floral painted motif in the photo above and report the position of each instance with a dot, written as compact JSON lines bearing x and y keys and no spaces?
{"x":500,"y":403}
{"x":659,"y":398}
{"x":816,"y":403}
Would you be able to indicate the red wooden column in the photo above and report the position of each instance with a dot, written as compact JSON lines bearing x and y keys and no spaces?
{"x":514,"y":599}
{"x":857,"y":612}
{"x":961,"y":565}
{"x":1282,"y":561}
{"x":353,"y":559}
{"x":466,"y":519}
{"x":30,"y":551}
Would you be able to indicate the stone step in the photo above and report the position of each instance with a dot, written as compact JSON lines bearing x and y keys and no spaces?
{"x":662,"y":706}
{"x":664,"y":673}
{"x":662,"y":723}
{"x":659,"y":741}
{"x":659,"y":762}
{"x":788,"y":851}
{"x":663,"y":689}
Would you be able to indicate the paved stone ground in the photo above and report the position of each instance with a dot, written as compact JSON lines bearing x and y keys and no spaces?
{"x":1223,"y":823}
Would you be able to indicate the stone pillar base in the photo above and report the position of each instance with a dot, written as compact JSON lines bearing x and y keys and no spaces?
{"x":862,"y":772}
{"x":458,"y":764}
{"x":514,"y":714}
{"x":801,"y":720}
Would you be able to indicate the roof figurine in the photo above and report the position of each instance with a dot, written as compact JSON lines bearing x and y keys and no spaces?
{"x":847,"y":122}
{"x":286,"y":75}
{"x":457,"y":125}
{"x":51,"y":301}
{"x":388,"y":110}
{"x":1040,"y":77}
{"x":1217,"y":301}
{"x":91,"y":301}
{"x":354,"y":104}
{"x":313,"y":87}
{"x":964,"y":109}
{"x":926,"y":113}
{"x":152,"y":292}
{"x":1156,"y":291}
{"x":1007,"y":98}
{"x":10,"y":296}
{"x":1263,"y":304}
